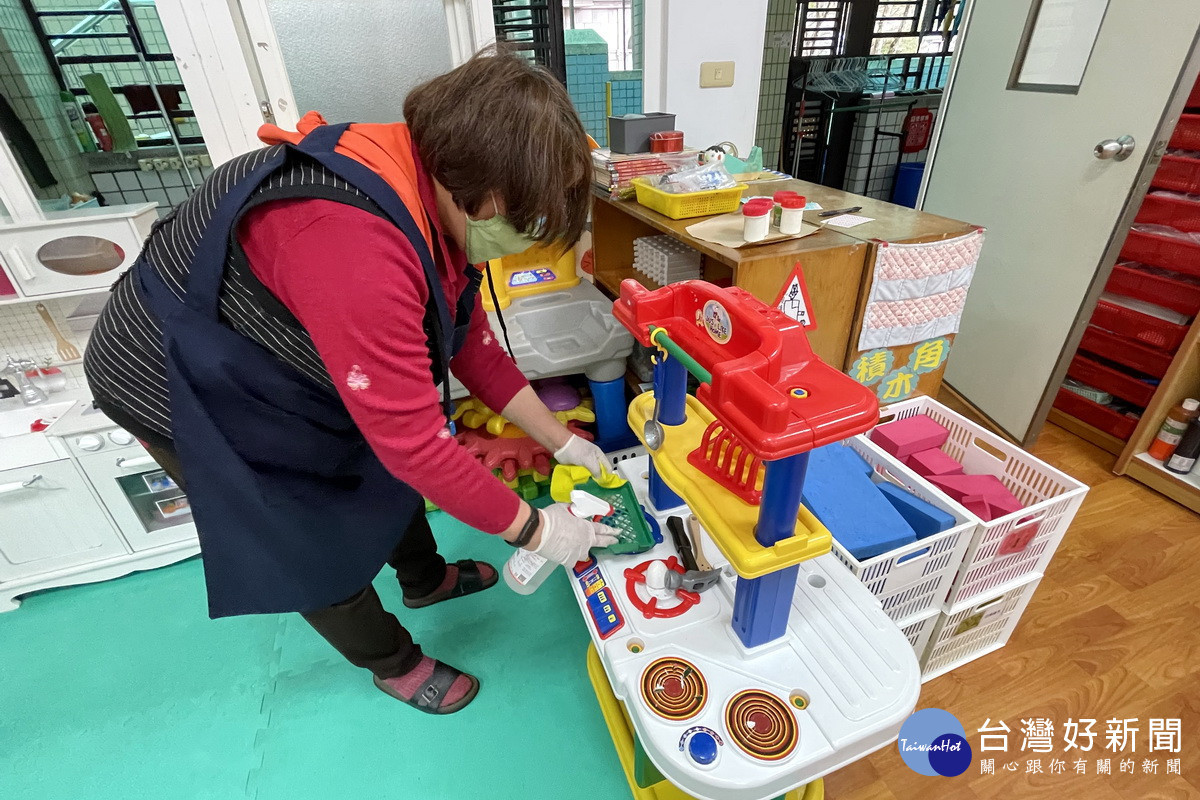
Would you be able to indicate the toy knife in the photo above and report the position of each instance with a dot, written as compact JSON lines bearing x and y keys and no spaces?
{"x":694,"y":530}
{"x":684,"y":545}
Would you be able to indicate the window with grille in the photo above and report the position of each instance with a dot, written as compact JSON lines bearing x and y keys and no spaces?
{"x":124,"y":41}
{"x":533,"y":28}
{"x":820,"y":27}
{"x":914,"y":26}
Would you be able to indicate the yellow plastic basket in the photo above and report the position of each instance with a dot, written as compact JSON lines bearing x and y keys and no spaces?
{"x":689,"y":204}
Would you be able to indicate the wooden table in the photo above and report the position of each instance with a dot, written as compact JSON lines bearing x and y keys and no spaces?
{"x":837,"y":262}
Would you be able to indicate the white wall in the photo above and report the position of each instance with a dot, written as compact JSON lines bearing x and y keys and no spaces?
{"x":682,"y":33}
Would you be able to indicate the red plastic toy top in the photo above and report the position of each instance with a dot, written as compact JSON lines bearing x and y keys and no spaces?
{"x":768,"y":386}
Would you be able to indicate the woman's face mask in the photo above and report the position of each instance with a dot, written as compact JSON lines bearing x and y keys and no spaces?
{"x":487,"y":239}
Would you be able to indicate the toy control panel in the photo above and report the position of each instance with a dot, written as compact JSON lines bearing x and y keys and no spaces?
{"x":725,"y":722}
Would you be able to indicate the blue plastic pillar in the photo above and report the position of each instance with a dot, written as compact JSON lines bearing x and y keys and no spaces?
{"x":612,"y":423}
{"x":670,"y":387}
{"x":783,"y":484}
{"x":761,"y":605}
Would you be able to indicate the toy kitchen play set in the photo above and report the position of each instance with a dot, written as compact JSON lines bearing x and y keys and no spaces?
{"x":740,"y":660}
{"x":81,"y":499}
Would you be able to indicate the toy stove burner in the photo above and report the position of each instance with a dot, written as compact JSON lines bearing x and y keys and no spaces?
{"x":761,"y":725}
{"x":635,"y":576}
{"x":674,"y":689}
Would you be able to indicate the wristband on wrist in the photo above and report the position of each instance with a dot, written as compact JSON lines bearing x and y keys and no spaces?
{"x":528,"y":529}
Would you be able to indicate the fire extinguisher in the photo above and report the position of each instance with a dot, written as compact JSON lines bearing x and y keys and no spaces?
{"x":915,"y":132}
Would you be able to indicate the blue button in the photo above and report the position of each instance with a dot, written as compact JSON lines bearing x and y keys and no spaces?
{"x":702,"y":747}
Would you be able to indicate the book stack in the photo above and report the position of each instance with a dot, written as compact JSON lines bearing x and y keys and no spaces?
{"x":614,"y":172}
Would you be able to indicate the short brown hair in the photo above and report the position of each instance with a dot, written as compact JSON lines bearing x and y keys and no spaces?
{"x":499,"y":123}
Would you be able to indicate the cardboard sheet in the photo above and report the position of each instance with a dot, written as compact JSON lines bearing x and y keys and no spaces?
{"x":727,"y":230}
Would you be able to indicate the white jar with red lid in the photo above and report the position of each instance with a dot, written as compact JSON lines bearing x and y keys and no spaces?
{"x":756,"y":219}
{"x":791,"y":214}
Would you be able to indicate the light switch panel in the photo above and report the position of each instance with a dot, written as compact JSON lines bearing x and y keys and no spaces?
{"x":716,"y":73}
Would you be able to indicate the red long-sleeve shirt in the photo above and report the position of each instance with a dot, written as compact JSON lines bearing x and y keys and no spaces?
{"x":354,"y":281}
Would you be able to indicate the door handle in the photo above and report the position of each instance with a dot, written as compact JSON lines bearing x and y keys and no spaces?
{"x":17,"y":258}
{"x":17,"y":486}
{"x":130,"y":463}
{"x":1115,"y":149}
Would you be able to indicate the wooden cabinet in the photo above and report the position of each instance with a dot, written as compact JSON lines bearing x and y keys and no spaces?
{"x":833,"y":265}
{"x":837,"y":263}
{"x":1182,"y":380}
{"x":53,"y":522}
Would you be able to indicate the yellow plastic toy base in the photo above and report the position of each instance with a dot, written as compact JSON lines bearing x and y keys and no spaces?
{"x":621,"y":730}
{"x":538,"y":257}
{"x":728,"y":519}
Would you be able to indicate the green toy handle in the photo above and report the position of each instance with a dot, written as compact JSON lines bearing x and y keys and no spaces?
{"x":659,"y":337}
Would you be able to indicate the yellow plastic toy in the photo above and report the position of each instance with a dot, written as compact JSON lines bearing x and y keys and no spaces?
{"x":474,"y":414}
{"x":539,"y":269}
{"x":566,"y":477}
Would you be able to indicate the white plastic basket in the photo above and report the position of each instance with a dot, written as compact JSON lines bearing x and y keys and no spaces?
{"x":624,"y":454}
{"x":915,"y":578}
{"x":970,"y":630}
{"x":919,"y":629}
{"x":1019,"y":544}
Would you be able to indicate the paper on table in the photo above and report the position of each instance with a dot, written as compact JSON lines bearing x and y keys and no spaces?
{"x":727,"y":230}
{"x":848,"y":220}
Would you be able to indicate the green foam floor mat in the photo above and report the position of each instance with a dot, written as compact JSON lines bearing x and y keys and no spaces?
{"x":126,"y":689}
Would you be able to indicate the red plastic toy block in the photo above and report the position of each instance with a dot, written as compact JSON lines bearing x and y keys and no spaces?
{"x":933,"y":462}
{"x":911,"y":435}
{"x":769,"y":390}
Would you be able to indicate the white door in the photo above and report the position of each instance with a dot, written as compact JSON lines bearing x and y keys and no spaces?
{"x":1020,"y":162}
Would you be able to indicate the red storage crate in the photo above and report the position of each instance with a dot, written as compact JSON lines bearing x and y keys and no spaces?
{"x":1174,"y":212}
{"x":1157,"y":286}
{"x":1106,"y":379}
{"x":1157,"y":250}
{"x":1136,"y":325}
{"x":1193,"y":100}
{"x":1125,"y":351}
{"x":1179,"y":174}
{"x":1187,"y":133}
{"x":1096,"y":415}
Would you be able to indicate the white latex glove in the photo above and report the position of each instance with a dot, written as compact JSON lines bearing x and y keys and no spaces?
{"x":582,"y":453}
{"x":566,"y":539}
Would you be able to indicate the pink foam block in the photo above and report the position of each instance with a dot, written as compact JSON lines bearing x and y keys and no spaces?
{"x":904,"y":437}
{"x":983,"y":495}
{"x":963,"y":488}
{"x":1000,"y":501}
{"x":933,"y":462}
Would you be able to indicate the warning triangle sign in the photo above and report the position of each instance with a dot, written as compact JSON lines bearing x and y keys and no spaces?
{"x":793,"y":300}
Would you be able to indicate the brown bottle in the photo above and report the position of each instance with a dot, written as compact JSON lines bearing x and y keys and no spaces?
{"x":1173,"y":428}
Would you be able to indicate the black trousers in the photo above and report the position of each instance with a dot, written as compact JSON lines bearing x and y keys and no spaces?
{"x":359,"y":627}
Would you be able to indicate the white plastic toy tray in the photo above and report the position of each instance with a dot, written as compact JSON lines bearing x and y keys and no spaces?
{"x":835,"y":688}
{"x":562,"y":333}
